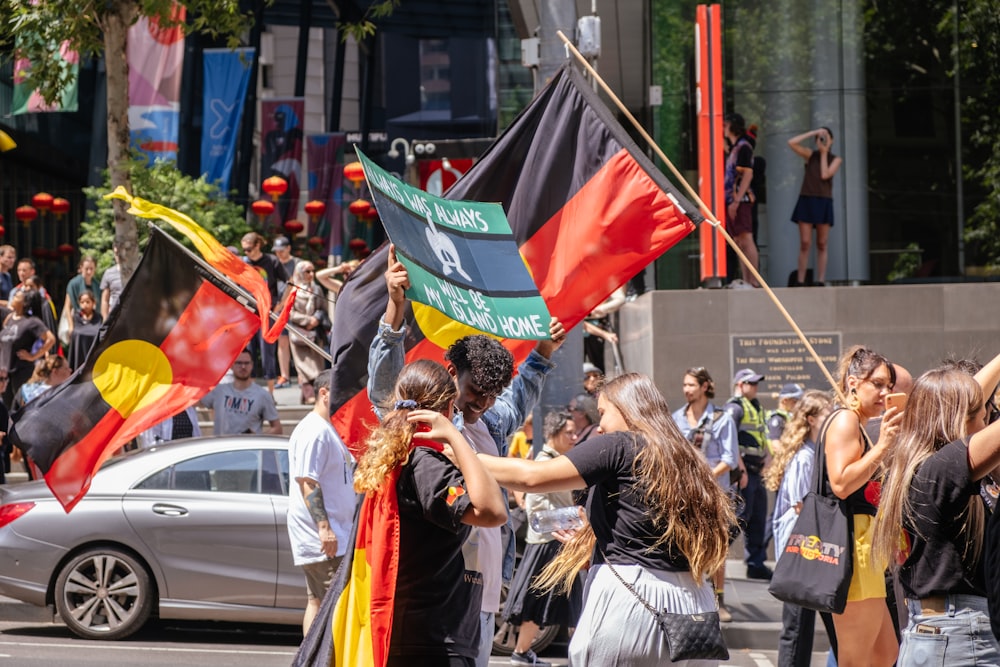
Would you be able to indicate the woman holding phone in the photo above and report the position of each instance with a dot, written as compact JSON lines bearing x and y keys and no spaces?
{"x":814,"y":208}
{"x":865,"y":632}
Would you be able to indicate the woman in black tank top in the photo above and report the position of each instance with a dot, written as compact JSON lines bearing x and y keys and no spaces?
{"x":865,"y":630}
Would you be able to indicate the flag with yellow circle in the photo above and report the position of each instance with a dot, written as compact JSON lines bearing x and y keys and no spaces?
{"x":175,"y":333}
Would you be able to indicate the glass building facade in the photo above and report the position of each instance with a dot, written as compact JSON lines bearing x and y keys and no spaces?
{"x":906,"y":91}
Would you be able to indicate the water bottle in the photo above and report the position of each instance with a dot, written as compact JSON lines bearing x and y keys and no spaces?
{"x":561,"y":518}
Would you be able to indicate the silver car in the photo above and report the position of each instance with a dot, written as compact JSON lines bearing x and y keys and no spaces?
{"x":193,"y":529}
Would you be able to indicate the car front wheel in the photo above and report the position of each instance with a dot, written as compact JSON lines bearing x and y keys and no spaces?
{"x":104,"y":593}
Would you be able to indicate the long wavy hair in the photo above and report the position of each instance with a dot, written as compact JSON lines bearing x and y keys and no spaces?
{"x":937,"y":412}
{"x":686,"y":504}
{"x":430,"y":387}
{"x":813,"y":404}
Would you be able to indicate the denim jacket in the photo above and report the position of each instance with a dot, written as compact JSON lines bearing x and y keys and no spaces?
{"x":386,"y":359}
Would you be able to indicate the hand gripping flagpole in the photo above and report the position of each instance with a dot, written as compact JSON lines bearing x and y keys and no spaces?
{"x":709,"y":216}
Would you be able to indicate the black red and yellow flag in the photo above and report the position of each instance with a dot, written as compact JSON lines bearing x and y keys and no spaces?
{"x":175,"y":333}
{"x":588,"y":210}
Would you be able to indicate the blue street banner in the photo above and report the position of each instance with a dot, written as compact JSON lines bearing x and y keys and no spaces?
{"x":462,"y":259}
{"x":227,"y":75}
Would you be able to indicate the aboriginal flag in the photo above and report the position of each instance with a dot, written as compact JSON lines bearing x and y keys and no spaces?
{"x":588,"y":210}
{"x":175,"y":333}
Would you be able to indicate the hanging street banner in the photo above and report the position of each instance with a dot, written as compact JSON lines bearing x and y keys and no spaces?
{"x":462,"y":258}
{"x":226,"y":76}
{"x":155,"y":64}
{"x":325,"y":157}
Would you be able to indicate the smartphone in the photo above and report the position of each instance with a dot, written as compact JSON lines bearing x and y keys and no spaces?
{"x":896,"y":400}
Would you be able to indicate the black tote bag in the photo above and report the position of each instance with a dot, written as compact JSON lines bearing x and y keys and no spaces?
{"x":815,"y":569}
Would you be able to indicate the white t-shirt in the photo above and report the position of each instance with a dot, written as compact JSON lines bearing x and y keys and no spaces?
{"x":485,"y":544}
{"x":315,"y":451}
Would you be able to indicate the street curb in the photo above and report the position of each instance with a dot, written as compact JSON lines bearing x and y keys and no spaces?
{"x":14,"y":611}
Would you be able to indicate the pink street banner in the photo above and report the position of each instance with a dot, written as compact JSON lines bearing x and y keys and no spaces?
{"x":281,"y":150}
{"x":326,"y":181}
{"x":155,"y":61}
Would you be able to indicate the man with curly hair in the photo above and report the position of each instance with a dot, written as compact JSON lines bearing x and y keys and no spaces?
{"x":489,"y":409}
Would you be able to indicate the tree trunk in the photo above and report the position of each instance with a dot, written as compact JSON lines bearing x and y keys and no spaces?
{"x":116,"y":26}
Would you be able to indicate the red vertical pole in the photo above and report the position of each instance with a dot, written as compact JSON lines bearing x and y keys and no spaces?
{"x":711,"y":152}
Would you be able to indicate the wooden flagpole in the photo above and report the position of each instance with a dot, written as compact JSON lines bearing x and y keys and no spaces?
{"x":709,"y":216}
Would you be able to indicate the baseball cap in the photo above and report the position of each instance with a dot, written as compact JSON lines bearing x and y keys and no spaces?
{"x":589,"y":368}
{"x":746,"y":375}
{"x":790,"y":390}
{"x":280,"y":242}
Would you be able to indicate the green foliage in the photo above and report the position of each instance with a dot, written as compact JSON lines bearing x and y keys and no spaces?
{"x":906,"y":264}
{"x":38,"y":26}
{"x":162,"y":183}
{"x":979,"y":62}
{"x":365,"y":28}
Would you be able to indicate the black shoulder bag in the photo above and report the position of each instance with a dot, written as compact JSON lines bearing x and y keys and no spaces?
{"x":816,"y":567}
{"x":689,"y":636}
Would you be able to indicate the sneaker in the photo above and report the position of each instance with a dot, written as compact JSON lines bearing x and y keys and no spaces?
{"x":528,"y":658}
{"x":759,"y":572}
{"x":281,"y":383}
{"x":724,"y":615}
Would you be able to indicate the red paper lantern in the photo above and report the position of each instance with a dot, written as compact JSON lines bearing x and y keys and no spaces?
{"x":60,"y":206}
{"x":66,"y":249}
{"x":25,"y":213}
{"x":2,"y":230}
{"x":359,"y":207}
{"x":275,"y":186}
{"x":262,"y":208}
{"x":371,"y":213}
{"x":315,"y":209}
{"x":42,"y":201}
{"x":315,"y":241}
{"x":354,"y":172}
{"x":40,"y":253}
{"x":294,"y":227}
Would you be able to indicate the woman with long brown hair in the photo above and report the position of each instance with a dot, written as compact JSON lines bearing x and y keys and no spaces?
{"x":853,"y":465}
{"x":660,"y":521}
{"x":435,"y":615}
{"x":939,"y":489}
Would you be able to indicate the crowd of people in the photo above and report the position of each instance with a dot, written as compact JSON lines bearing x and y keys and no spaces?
{"x":653,"y":498}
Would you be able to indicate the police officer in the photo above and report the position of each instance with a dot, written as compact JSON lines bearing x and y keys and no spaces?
{"x":788,"y":398}
{"x":755,"y":449}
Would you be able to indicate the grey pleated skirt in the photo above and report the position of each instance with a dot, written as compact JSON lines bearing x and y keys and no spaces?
{"x":615,"y":629}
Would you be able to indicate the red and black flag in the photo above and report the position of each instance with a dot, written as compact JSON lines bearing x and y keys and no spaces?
{"x":588,"y":210}
{"x":175,"y":333}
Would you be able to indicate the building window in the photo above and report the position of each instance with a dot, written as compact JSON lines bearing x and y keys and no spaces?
{"x":435,"y":75}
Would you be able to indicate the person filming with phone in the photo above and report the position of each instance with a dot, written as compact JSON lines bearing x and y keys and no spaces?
{"x":814,"y":209}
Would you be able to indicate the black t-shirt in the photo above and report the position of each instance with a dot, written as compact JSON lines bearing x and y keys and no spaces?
{"x":438,"y":595}
{"x":616,"y":507}
{"x":19,"y":335}
{"x":939,"y":497}
{"x":272,"y":272}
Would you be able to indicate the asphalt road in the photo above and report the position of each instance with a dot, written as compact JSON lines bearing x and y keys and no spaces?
{"x":168,"y":644}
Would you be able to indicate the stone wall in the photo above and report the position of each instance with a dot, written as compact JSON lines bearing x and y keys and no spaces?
{"x":665,"y":332}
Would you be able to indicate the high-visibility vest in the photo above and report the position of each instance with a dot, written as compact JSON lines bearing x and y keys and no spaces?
{"x":754,"y":426}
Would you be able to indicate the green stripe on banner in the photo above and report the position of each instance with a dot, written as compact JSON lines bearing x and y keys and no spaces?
{"x":517,"y":317}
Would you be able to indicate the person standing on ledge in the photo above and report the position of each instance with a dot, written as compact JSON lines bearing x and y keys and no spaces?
{"x":814,"y":209}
